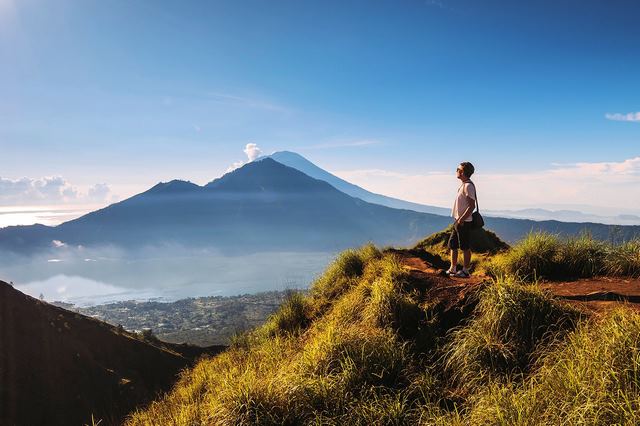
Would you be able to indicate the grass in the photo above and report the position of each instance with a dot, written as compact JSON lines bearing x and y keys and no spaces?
{"x":482,"y":241}
{"x":484,"y":244}
{"x":624,"y":260}
{"x":592,"y":378}
{"x":547,"y":256}
{"x":363,"y":347}
{"x":511,"y":321}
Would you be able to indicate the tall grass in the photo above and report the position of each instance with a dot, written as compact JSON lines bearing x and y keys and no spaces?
{"x":593,"y":378}
{"x":341,"y":275}
{"x":624,"y":259}
{"x":293,"y":316}
{"x":510,"y":322}
{"x":352,"y":351}
{"x":544,"y":255}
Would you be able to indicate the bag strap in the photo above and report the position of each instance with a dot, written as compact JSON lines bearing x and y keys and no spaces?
{"x":476,"y":191}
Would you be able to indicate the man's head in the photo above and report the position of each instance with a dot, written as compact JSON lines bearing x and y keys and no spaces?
{"x":465,"y":170}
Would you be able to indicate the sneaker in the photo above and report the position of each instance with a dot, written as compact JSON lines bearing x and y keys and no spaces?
{"x":462,"y":274}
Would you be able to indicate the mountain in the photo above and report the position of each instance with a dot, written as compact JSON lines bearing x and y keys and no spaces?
{"x":263,"y":206}
{"x":58,"y":367}
{"x":566,"y":216}
{"x":298,"y":162}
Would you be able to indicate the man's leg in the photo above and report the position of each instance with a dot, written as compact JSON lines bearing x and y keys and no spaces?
{"x":454,"y":260}
{"x":466,"y":258}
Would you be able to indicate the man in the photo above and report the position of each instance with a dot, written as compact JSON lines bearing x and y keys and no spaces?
{"x":463,"y":207}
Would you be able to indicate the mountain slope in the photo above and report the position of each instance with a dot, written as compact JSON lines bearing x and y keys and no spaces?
{"x":263,"y":206}
{"x":298,"y":162}
{"x":58,"y":367}
{"x":382,"y":338}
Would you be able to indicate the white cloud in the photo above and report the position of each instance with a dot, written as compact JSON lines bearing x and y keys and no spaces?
{"x":99,"y":192}
{"x":47,"y":190}
{"x":235,"y":165}
{"x":630,"y":116}
{"x":601,"y":184}
{"x":252,"y":151}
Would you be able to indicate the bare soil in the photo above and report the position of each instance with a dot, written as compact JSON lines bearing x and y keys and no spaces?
{"x":597,"y":295}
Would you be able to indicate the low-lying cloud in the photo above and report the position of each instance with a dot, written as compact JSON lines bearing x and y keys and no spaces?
{"x":49,"y":190}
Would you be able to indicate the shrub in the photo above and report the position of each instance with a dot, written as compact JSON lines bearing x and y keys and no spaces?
{"x":582,"y":257}
{"x":357,"y":358}
{"x":482,"y":241}
{"x":389,"y":306}
{"x":624,"y":259}
{"x":534,"y":256}
{"x":594,"y":378}
{"x":341,"y":275}
{"x":510,"y":322}
{"x":292,"y":316}
{"x":542,"y":255}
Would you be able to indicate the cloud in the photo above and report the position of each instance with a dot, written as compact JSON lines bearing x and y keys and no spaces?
{"x":252,"y":151}
{"x":630,"y":116}
{"x":47,"y":190}
{"x":603,"y":184}
{"x":235,"y":165}
{"x":99,"y":192}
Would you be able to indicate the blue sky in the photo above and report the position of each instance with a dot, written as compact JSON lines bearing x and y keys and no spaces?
{"x":389,"y":94}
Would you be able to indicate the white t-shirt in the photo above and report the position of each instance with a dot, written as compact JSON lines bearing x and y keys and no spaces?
{"x":466,"y":191}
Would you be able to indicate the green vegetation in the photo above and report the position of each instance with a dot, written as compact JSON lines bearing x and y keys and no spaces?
{"x":201,"y":321}
{"x":485,"y":245}
{"x":511,"y":321}
{"x":543,"y":255}
{"x":592,"y":378}
{"x":482,"y":241}
{"x":366,"y":345}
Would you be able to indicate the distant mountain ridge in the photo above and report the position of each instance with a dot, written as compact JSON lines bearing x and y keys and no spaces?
{"x":264,"y":206}
{"x":297,"y":161}
{"x":566,"y":216}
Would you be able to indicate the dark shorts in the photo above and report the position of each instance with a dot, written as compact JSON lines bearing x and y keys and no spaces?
{"x":462,"y":238}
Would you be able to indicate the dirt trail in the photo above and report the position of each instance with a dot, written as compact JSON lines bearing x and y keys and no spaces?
{"x":595,"y":294}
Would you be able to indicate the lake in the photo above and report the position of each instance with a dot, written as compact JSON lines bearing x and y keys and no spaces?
{"x":89,"y":277}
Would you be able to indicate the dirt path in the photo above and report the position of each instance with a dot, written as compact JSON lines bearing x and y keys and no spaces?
{"x":595,"y":294}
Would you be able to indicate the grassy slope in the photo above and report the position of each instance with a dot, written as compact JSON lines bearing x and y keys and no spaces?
{"x":366,"y":347}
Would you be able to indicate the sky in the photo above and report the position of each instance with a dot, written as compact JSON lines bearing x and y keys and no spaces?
{"x":100,"y":100}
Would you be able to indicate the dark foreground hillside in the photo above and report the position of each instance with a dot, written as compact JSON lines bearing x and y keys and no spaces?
{"x":382,"y":338}
{"x":59,"y":368}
